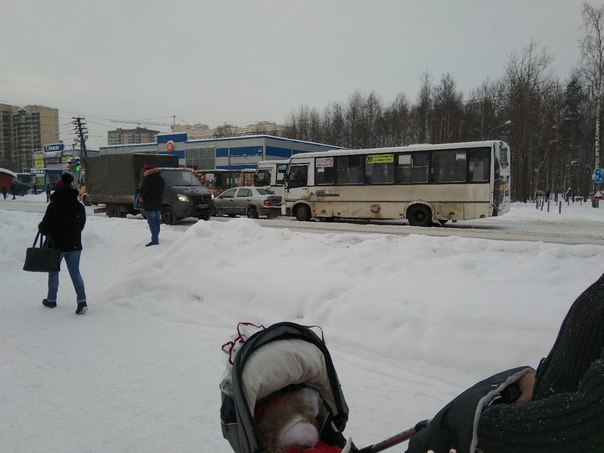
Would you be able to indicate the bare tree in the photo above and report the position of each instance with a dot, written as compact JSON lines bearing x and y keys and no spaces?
{"x":524,"y":86}
{"x":421,"y":112}
{"x":224,"y":130}
{"x":446,"y":111}
{"x":592,"y":65}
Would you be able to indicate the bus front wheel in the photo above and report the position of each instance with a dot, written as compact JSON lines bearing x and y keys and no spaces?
{"x":302,"y":213}
{"x":419,"y":216}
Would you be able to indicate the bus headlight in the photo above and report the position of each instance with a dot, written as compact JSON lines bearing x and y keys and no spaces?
{"x":182,"y":198}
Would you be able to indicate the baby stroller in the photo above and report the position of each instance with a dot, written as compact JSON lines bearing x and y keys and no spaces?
{"x":280,"y":358}
{"x":284,"y":357}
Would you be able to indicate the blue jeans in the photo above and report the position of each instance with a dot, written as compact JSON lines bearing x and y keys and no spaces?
{"x":73,"y":265}
{"x":154,"y":220}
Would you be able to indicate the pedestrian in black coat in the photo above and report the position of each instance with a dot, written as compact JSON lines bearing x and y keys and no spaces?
{"x":62,"y":224}
{"x":152,"y":193}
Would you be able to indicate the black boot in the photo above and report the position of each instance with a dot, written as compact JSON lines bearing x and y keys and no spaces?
{"x":49,"y":303}
{"x":82,"y":308}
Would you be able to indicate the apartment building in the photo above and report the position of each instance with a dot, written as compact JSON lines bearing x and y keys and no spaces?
{"x":203,"y":131}
{"x":131,"y":136}
{"x":23,"y":132}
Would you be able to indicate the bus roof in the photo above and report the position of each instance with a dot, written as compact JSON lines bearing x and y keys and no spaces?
{"x":408,"y":148}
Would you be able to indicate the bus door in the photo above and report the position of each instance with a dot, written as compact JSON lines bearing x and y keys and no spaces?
{"x":296,"y":182}
{"x":501,"y":181}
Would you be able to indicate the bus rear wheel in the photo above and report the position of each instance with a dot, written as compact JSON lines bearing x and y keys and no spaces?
{"x":302,"y":213}
{"x":419,"y":215}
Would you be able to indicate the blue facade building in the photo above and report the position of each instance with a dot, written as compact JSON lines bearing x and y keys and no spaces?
{"x":228,"y":153}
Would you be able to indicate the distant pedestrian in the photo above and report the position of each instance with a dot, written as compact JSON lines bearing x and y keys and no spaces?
{"x":152,"y":193}
{"x":12,"y":189}
{"x":63,"y":222}
{"x":4,"y":192}
{"x":48,"y":192}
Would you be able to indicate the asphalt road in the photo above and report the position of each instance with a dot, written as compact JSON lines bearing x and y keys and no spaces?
{"x":493,"y":228}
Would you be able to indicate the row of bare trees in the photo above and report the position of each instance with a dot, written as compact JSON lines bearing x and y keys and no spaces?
{"x":552,"y":126}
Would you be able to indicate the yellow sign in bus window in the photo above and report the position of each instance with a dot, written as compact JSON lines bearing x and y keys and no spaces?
{"x":380,"y":159}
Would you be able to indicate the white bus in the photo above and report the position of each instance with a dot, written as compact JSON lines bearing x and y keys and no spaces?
{"x":270,"y":175}
{"x":420,"y":183}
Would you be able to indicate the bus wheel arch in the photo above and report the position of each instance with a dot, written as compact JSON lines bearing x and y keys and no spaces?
{"x":419,"y":215}
{"x":301,"y":212}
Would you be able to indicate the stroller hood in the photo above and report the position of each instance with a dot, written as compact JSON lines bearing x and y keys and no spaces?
{"x":270,"y":360}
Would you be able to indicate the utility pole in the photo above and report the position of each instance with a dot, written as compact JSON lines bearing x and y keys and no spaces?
{"x":81,"y":131}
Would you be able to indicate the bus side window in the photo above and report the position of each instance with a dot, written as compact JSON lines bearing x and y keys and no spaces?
{"x":448,"y":166}
{"x":479,"y":165}
{"x":297,"y":176}
{"x":412,"y":168}
{"x":379,"y":169}
{"x":349,"y":170}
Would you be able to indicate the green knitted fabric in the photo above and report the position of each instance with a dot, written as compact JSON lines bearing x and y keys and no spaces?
{"x":567,"y":412}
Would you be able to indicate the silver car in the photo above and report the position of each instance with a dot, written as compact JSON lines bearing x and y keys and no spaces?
{"x":250,"y":201}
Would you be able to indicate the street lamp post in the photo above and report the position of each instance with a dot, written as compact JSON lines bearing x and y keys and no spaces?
{"x":507,"y":123}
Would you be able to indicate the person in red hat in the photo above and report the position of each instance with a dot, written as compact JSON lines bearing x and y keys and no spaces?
{"x":152,"y":193}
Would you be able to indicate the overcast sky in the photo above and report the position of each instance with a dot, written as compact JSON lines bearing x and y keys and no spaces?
{"x":242,"y":61}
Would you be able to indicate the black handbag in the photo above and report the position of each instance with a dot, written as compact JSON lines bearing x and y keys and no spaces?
{"x":42,"y":258}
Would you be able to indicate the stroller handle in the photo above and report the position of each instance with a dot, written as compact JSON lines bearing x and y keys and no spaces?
{"x":396,"y":439}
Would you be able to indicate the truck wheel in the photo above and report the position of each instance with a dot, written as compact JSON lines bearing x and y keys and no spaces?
{"x":167,"y":215}
{"x":112,"y":211}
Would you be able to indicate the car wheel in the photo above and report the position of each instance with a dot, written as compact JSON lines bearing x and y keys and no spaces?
{"x":252,"y":212}
{"x":168,"y":216}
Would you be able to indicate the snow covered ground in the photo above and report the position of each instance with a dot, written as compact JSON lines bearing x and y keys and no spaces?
{"x":410,"y":322}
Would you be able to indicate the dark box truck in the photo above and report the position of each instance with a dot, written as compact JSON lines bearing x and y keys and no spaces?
{"x":113,"y":180}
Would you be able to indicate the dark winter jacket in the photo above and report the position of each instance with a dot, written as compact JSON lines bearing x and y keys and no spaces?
{"x":152,"y":190}
{"x":567,"y":411}
{"x":64,"y":220}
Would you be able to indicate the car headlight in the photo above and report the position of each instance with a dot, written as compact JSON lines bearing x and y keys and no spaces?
{"x":182,"y":198}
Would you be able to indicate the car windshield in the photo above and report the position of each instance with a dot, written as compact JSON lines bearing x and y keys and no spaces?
{"x":179,"y":178}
